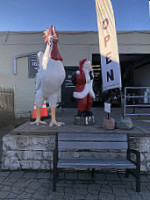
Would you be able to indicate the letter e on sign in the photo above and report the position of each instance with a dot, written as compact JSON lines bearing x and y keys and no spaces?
{"x":108,"y":56}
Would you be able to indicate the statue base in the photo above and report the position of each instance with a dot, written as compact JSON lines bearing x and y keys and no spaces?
{"x":84,"y":120}
{"x":108,"y":124}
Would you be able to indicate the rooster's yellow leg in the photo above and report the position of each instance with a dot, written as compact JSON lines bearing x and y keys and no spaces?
{"x":38,"y":117}
{"x":53,"y":120}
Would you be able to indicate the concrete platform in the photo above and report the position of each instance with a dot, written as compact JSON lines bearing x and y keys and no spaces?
{"x":141,"y":125}
{"x":31,"y":147}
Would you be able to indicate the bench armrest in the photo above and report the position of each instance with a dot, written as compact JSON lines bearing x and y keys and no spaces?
{"x":136,"y":153}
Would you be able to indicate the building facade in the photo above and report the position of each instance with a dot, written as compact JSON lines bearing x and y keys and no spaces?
{"x":18,"y":64}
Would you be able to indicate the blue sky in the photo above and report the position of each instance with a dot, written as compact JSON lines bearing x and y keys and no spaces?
{"x":69,"y":15}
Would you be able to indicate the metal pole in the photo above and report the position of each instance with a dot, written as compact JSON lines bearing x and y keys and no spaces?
{"x":121,"y":95}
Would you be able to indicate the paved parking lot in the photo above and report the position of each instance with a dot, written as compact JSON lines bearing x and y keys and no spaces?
{"x":31,"y":185}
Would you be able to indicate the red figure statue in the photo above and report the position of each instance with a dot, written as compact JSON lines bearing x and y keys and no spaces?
{"x":84,"y":88}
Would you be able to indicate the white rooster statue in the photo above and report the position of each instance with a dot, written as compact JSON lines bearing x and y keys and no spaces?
{"x":50,"y":76}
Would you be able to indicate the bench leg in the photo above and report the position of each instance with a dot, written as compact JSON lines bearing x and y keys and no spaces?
{"x":138,"y":183}
{"x":127,"y":173}
{"x":92,"y":172}
{"x":138,"y":176}
{"x":55,"y":175}
{"x":54,"y":182}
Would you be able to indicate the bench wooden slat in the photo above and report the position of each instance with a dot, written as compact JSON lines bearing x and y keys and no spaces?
{"x":91,"y":145}
{"x":92,"y":163}
{"x":92,"y":137}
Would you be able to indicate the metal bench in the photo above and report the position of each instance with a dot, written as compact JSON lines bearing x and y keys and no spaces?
{"x":99,"y":142}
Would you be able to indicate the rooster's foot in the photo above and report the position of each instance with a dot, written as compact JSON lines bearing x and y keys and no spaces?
{"x":37,"y":122}
{"x":56,"y":124}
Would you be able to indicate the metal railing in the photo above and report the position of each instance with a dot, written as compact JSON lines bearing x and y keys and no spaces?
{"x":137,"y":97}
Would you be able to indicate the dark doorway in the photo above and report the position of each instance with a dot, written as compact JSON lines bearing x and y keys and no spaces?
{"x":68,"y":88}
{"x":97,"y":84}
{"x":129,"y":63}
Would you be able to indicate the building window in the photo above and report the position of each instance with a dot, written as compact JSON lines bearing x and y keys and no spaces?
{"x":32,"y":66}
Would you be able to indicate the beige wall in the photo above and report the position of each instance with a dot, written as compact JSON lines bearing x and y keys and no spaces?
{"x":73,"y":47}
{"x":24,"y":88}
{"x":134,"y":41}
{"x":12,"y":44}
